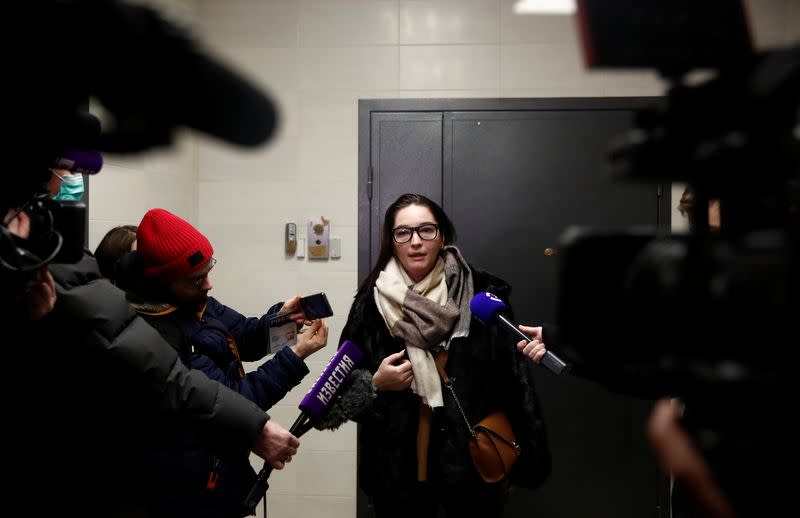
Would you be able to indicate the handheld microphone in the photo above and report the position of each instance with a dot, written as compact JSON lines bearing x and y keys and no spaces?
{"x":360,"y":395}
{"x":319,"y":399}
{"x":313,"y":407}
{"x":488,"y":308}
{"x":78,"y":160}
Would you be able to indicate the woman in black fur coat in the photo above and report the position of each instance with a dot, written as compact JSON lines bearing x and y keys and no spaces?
{"x":412,"y":309}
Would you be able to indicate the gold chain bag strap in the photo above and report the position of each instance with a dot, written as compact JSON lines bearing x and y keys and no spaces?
{"x":492,"y":445}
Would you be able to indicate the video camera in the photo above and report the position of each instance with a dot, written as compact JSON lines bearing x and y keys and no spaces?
{"x":702,"y":315}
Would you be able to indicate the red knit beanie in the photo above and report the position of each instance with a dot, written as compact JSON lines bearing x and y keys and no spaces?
{"x":170,"y":248}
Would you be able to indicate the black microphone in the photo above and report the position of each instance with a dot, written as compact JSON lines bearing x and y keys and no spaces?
{"x":489,"y":308}
{"x":314,"y":406}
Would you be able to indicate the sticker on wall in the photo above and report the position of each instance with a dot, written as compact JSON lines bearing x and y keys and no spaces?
{"x":318,"y":232}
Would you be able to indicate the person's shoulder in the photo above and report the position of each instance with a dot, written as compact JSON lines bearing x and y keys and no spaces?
{"x":485,"y":281}
{"x":69,"y":275}
{"x":216,"y":309}
{"x":214,"y":305}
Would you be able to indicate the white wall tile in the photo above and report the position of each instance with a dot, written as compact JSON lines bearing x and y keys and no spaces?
{"x":449,"y":67}
{"x":767,"y":21}
{"x":274,"y":69}
{"x":99,"y":227}
{"x":328,"y":151}
{"x":326,"y":507}
{"x":543,"y":65}
{"x":792,"y":23}
{"x":528,"y":28}
{"x":175,"y":194}
{"x":334,"y":200}
{"x":293,"y":506}
{"x":276,"y":161}
{"x":631,"y":83}
{"x":249,"y":23}
{"x":243,"y":202}
{"x":678,"y":221}
{"x":426,"y":22}
{"x":119,"y":194}
{"x":348,"y":68}
{"x":348,"y":22}
{"x":447,"y":94}
{"x":317,"y":473}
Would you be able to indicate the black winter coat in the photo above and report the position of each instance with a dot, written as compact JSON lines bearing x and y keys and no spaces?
{"x":92,"y":383}
{"x":489,"y":375}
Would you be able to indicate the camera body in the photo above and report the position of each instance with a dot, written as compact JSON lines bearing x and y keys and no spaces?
{"x":704,"y":315}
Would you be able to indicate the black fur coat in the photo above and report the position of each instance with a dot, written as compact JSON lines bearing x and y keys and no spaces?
{"x":489,"y":374}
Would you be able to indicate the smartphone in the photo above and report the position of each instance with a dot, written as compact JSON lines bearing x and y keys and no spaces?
{"x":316,"y":306}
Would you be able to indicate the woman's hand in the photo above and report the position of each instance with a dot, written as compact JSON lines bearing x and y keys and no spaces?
{"x":311,"y":339}
{"x":535,"y":349}
{"x":394,"y":377}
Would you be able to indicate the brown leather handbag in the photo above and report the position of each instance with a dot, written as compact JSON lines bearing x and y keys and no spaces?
{"x":492,"y":445}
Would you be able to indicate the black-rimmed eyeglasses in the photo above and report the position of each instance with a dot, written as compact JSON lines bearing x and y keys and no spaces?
{"x":427,"y":232}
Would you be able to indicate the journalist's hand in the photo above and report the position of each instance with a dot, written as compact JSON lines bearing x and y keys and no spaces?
{"x":40,"y":295}
{"x":678,"y":455}
{"x":276,"y":445}
{"x":534,"y":349}
{"x":295,"y":310}
{"x":20,"y":226}
{"x":394,"y":377}
{"x":311,"y":339}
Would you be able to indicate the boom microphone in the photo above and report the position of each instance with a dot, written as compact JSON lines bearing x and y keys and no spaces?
{"x":488,"y":308}
{"x":313,"y":408}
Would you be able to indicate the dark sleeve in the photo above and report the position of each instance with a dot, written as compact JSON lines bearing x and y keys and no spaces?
{"x":364,"y":407}
{"x":266,"y":385}
{"x":128,"y":345}
{"x":550,"y":335}
{"x":535,"y":463}
{"x":251,"y":333}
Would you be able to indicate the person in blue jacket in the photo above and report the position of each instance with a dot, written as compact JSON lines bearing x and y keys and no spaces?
{"x":167,"y":280}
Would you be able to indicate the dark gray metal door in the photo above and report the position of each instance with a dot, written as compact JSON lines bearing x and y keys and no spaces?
{"x":513,"y":174}
{"x":406,"y":154}
{"x":513,"y":181}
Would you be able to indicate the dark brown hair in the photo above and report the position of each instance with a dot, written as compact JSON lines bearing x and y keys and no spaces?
{"x":446,"y":229}
{"x":116,"y":243}
{"x":687,"y":201}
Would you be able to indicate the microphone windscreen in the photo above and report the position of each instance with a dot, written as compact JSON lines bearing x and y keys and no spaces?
{"x":484,"y":306}
{"x":325,"y":389}
{"x":158,"y":78}
{"x":358,"y":396}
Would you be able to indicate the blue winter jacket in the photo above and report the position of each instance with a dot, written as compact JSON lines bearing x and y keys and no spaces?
{"x":189,"y":479}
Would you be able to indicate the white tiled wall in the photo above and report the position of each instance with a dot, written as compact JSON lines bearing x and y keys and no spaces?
{"x":317,"y":58}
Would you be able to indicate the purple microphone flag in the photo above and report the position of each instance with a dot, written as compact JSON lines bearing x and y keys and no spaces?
{"x":317,"y":401}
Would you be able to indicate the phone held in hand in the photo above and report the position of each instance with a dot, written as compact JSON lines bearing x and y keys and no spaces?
{"x":316,"y":306}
